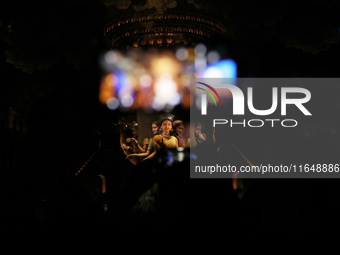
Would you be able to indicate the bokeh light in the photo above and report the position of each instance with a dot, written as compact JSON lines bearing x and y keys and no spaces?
{"x":158,"y":79}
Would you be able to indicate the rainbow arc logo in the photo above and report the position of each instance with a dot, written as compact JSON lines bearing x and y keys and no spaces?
{"x":209,"y":90}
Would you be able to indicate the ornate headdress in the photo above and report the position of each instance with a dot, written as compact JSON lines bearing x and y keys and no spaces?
{"x":166,"y":116}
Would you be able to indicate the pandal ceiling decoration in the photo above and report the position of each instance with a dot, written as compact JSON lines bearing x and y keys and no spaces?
{"x":162,"y":28}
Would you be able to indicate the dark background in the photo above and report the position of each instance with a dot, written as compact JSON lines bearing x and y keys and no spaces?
{"x":50,"y":75}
